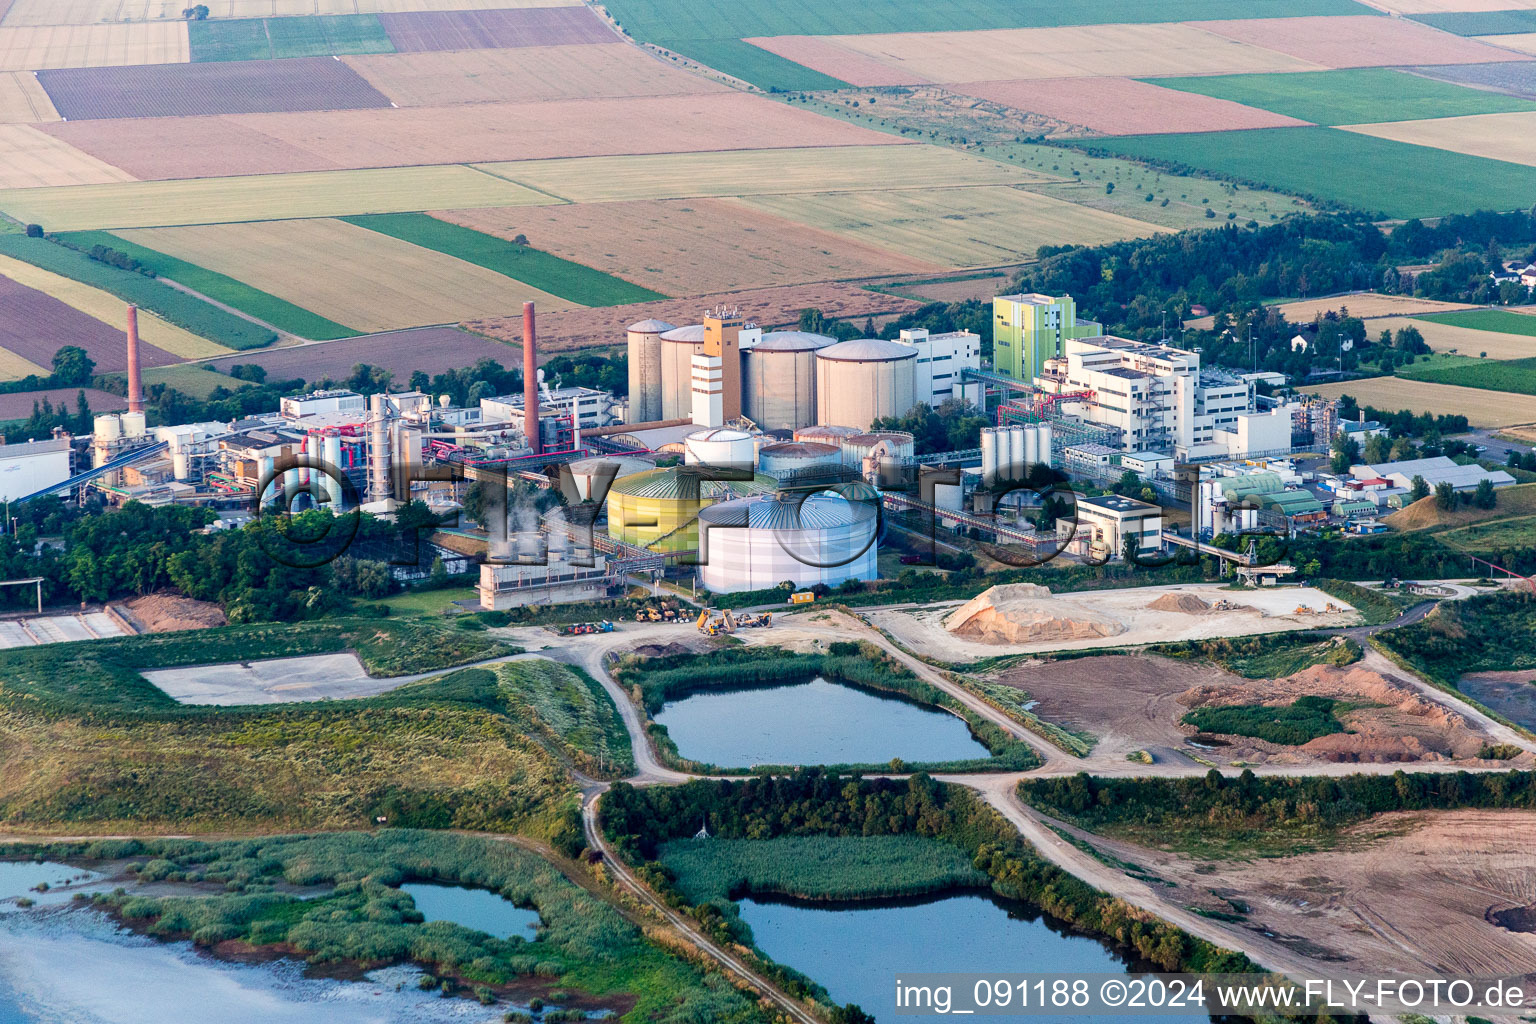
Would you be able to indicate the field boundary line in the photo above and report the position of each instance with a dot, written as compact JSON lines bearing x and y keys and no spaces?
{"x":561,"y":200}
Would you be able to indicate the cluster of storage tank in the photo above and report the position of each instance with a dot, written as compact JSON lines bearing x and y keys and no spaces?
{"x":1008,"y":452}
{"x":758,"y":542}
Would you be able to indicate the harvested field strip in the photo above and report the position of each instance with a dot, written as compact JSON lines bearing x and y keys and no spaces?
{"x":1482,"y":408}
{"x":691,"y":246}
{"x":610,"y":179}
{"x":574,"y":281}
{"x":1510,"y":137}
{"x":34,"y":325}
{"x":740,"y":59}
{"x":1523,"y":43}
{"x":467,"y":133}
{"x":263,"y":197}
{"x":111,"y":310}
{"x":349,"y":275}
{"x":268,"y":38}
{"x":1365,"y":304}
{"x":23,"y":100}
{"x":532,"y":73}
{"x":1356,"y":42}
{"x":1517,"y":77}
{"x":1349,"y":168}
{"x":432,"y":350}
{"x":1500,"y":320}
{"x":1415,"y":7}
{"x":33,"y":159}
{"x":90,"y":12}
{"x":284,"y":316}
{"x":31,"y":49}
{"x":962,"y":227}
{"x":178,"y":308}
{"x":1352,"y":96}
{"x":18,"y":405}
{"x":188,"y":90}
{"x":1480,"y":23}
{"x":13,"y":366}
{"x":1517,"y":376}
{"x":493,"y":30}
{"x":191,"y":379}
{"x":1123,"y":106}
{"x":1443,"y":337}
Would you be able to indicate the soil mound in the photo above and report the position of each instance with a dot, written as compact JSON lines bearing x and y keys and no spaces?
{"x":168,"y":613}
{"x":1189,"y":604}
{"x":1023,"y":613}
{"x":661,"y":650}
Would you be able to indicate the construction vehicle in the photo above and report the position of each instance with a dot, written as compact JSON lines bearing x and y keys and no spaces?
{"x":802,"y":597}
{"x":647,"y":615}
{"x":750,"y":621}
{"x":725,"y":622}
{"x":584,"y":628}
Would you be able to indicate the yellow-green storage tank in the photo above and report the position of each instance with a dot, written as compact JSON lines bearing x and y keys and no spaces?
{"x":658,"y":509}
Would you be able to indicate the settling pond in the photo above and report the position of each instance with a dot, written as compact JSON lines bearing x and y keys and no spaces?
{"x":473,"y":908}
{"x":817,"y":722}
{"x":856,"y":950}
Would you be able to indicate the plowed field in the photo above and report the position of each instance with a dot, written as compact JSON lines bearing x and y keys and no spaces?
{"x":1123,"y":106}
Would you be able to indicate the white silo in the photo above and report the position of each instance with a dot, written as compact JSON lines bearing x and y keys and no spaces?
{"x":678,"y":347}
{"x":1016,"y":452}
{"x":724,"y":447}
{"x":799,"y":458}
{"x":1031,"y":446}
{"x":759,"y":542}
{"x":1043,"y":433}
{"x":181,"y":458}
{"x":989,"y":453}
{"x":645,"y":370}
{"x":858,"y":382}
{"x":778,"y":379}
{"x":332,"y":457}
{"x":898,"y":445}
{"x":133,"y":424}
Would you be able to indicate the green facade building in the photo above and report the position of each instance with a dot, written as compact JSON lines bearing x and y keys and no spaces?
{"x":1028,"y":329}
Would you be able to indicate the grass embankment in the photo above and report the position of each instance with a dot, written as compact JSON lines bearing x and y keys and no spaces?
{"x":1266,"y":655}
{"x":1426,"y":514}
{"x":571,"y":708}
{"x":1015,"y":703}
{"x":1301,"y":721}
{"x":583,"y":943}
{"x":174,"y":307}
{"x":659,"y":680}
{"x":1218,"y":817}
{"x":87,"y":742}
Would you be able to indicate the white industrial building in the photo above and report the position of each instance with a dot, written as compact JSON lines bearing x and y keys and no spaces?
{"x":321,"y":402}
{"x":29,"y":467}
{"x":587,"y":407}
{"x":759,"y":542}
{"x":941,"y":361}
{"x":1435,"y":471}
{"x":1106,"y":521}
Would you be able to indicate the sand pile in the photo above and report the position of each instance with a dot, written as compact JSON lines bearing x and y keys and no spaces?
{"x":1189,"y":604}
{"x":167,"y":613}
{"x":1025,"y":613}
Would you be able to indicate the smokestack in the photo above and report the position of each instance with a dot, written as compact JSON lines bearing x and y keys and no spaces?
{"x":135,"y":381}
{"x":530,"y":381}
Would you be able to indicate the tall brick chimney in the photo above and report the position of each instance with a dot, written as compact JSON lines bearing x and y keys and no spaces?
{"x":530,"y":381}
{"x":135,"y":379}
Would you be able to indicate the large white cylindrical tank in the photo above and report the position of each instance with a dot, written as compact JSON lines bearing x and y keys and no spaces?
{"x":677,"y":350}
{"x":645,"y":370}
{"x":778,"y":379}
{"x":898,"y":444}
{"x":181,"y":462}
{"x":988,"y":453}
{"x":759,"y":542}
{"x":1043,"y":432}
{"x":784,"y":461}
{"x":333,"y":470}
{"x":1031,"y":446}
{"x":719,"y":446}
{"x":1016,"y":452}
{"x":858,"y":382}
{"x":133,"y":424}
{"x":108,"y":427}
{"x":824,"y":433}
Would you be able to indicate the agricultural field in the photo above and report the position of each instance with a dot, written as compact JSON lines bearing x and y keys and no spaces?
{"x":1124,"y":106}
{"x":467,"y":133}
{"x":432,"y":350}
{"x":692,"y":246}
{"x":190,"y":90}
{"x":1515,"y":77}
{"x":1416,"y":7}
{"x":269,"y":309}
{"x":13,"y":366}
{"x":1354,"y":96}
{"x":347,"y":274}
{"x":1501,"y":321}
{"x":852,"y":168}
{"x":18,"y":404}
{"x":263,"y":197}
{"x":527,"y":74}
{"x":495,"y":29}
{"x":1480,"y":23}
{"x":32,"y":49}
{"x":271,"y":38}
{"x":110,"y":309}
{"x":23,"y":100}
{"x":190,"y":379}
{"x":1508,"y":137}
{"x":958,"y":227}
{"x":1482,"y":408}
{"x":89,"y":12}
{"x":1382,"y":175}
{"x":1453,"y":339}
{"x":1524,"y":43}
{"x":569,"y":280}
{"x":35,"y":325}
{"x":1517,"y":375}
{"x":33,"y":159}
{"x":1366,"y":305}
{"x":1356,"y":42}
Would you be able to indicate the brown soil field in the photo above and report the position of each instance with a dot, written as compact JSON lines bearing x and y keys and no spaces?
{"x":90,"y":12}
{"x":35,"y":325}
{"x":30,"y":158}
{"x":1465,"y":340}
{"x":30,"y":49}
{"x":496,"y":29}
{"x":167,"y":613}
{"x":534,"y":73}
{"x":18,"y":405}
{"x":825,"y":54}
{"x":1482,"y":408}
{"x":431,"y":350}
{"x":771,"y":307}
{"x":1510,"y":137}
{"x":691,"y":246}
{"x":1133,"y":51}
{"x":483,"y":132}
{"x":221,"y":87}
{"x":1124,"y":106}
{"x":23,"y":100}
{"x":1361,"y":41}
{"x":982,"y":288}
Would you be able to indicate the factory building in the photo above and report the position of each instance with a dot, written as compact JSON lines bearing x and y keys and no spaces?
{"x":1106,"y":521}
{"x":644,"y":348}
{"x":323,"y":402}
{"x":33,"y":465}
{"x":942,"y":359}
{"x":1029,"y":328}
{"x":678,"y":347}
{"x":659,"y":509}
{"x":717,"y":367}
{"x":585,"y":407}
{"x":858,"y":382}
{"x":779,"y":379}
{"x":759,"y":542}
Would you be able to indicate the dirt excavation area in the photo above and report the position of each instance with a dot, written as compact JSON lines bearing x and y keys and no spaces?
{"x":1138,"y":703}
{"x":1444,"y":892}
{"x":1024,"y":617}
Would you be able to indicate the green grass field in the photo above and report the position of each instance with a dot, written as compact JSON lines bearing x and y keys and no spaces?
{"x":176,"y":307}
{"x":1394,"y":179}
{"x":1500,"y":320}
{"x":190,"y":379}
{"x":532,"y":267}
{"x":267,"y":38}
{"x":1480,"y":23}
{"x":1514,"y":375}
{"x":283,"y":315}
{"x":1356,"y":96}
{"x":752,"y":64}
{"x":1290,"y":724}
{"x":1515,"y":534}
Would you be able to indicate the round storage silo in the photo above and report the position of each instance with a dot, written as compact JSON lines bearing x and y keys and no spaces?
{"x":678,"y":347}
{"x":757,"y":543}
{"x":826,"y":434}
{"x":725,"y":447}
{"x":898,"y":445}
{"x":778,"y":379}
{"x":858,"y":382}
{"x":586,"y":472}
{"x":645,"y":370}
{"x":797,"y":458}
{"x":658,"y":509}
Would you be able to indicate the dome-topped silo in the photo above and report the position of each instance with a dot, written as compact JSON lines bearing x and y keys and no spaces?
{"x":779,"y":379}
{"x":858,"y":382}
{"x":678,"y":347}
{"x":645,"y":370}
